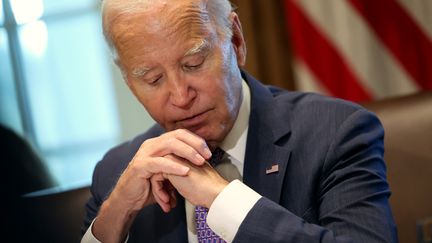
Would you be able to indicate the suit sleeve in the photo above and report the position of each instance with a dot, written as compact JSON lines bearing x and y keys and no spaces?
{"x":93,"y":204}
{"x":353,"y":194}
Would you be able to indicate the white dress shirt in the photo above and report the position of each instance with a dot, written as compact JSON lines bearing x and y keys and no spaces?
{"x":231,"y":206}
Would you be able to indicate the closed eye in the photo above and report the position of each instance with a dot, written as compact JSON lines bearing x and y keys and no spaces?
{"x":193,"y":66}
{"x":154,"y":80}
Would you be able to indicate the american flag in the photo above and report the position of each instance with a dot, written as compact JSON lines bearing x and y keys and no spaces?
{"x":361,"y":49}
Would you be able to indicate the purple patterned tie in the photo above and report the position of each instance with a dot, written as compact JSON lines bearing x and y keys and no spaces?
{"x":204,"y":233}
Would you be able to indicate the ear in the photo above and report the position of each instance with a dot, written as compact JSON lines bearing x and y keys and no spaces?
{"x":237,"y":40}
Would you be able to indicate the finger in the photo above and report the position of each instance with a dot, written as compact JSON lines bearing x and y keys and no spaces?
{"x":181,"y":142}
{"x":173,"y":199}
{"x":195,"y":141}
{"x":166,"y":145}
{"x":158,"y":188}
{"x":166,"y":207}
{"x":158,"y":165}
{"x":171,"y":191}
{"x":181,"y":149}
{"x":198,"y":146}
{"x":156,"y":191}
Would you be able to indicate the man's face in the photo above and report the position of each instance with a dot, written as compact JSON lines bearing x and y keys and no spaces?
{"x":183,"y":72}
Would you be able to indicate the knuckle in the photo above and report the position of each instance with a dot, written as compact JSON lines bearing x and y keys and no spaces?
{"x":169,"y":142}
{"x":133,"y":167}
{"x":192,"y":152}
{"x":147,"y":144}
{"x":150,"y":163}
{"x":181,"y":132}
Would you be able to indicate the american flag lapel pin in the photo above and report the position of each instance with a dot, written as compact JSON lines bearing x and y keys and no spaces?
{"x":273,"y":169}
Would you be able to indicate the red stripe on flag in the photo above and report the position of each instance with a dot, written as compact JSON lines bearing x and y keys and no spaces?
{"x":402,"y":36}
{"x":322,"y":57}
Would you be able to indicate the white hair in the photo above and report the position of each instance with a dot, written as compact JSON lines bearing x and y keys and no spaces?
{"x":218,"y":10}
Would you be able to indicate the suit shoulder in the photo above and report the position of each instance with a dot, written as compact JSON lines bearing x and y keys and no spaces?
{"x":314,"y":113}
{"x":305,"y":103}
{"x":305,"y":99}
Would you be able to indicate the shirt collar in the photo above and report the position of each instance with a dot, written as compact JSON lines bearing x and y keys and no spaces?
{"x":235,"y":142}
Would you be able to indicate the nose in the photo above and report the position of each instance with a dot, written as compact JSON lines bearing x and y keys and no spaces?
{"x":182,"y":93}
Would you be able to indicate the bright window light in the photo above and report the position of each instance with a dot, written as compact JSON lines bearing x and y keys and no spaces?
{"x":1,"y":13}
{"x":35,"y":38}
{"x":26,"y":11}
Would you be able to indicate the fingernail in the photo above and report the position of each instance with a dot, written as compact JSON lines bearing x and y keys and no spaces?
{"x":185,"y":170}
{"x":208,"y":153}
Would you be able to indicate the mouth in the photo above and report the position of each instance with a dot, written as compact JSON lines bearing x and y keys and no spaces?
{"x":194,"y":121}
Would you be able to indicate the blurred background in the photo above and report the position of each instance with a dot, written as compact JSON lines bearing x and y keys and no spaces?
{"x":59,"y":88}
{"x":61,"y":93}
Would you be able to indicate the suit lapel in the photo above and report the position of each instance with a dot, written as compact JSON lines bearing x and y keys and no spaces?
{"x":267,"y":148}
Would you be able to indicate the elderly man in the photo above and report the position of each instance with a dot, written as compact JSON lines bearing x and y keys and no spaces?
{"x":230,"y":160}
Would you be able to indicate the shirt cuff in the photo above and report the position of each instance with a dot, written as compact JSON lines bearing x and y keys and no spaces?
{"x":230,"y":208}
{"x":90,"y":238}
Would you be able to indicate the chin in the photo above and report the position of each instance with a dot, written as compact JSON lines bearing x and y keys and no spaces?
{"x":204,"y":133}
{"x":210,"y":135}
{"x":215,"y":139}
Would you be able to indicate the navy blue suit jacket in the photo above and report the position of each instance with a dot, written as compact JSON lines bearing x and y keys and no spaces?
{"x":331,"y":184}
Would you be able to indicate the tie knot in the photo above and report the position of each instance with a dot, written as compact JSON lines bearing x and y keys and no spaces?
{"x":217,"y":155}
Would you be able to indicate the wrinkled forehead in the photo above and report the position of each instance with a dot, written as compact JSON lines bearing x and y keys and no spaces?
{"x":188,"y":18}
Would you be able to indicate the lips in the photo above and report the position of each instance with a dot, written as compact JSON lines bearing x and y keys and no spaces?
{"x":194,"y":121}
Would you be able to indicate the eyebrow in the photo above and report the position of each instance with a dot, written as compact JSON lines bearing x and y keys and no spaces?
{"x":199,"y":47}
{"x":139,"y":72}
{"x":202,"y":45}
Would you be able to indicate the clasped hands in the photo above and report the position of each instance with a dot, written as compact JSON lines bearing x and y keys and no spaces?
{"x":176,"y":160}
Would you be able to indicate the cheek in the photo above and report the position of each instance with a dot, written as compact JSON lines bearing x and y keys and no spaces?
{"x":154,"y":105}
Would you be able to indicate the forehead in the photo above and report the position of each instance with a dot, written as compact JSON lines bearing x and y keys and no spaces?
{"x":176,"y":20}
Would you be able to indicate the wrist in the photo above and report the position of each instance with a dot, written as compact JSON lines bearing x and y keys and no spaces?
{"x":113,"y":221}
{"x":215,"y":192}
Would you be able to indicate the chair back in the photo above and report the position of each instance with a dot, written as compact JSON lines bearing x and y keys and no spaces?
{"x":407,"y":123}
